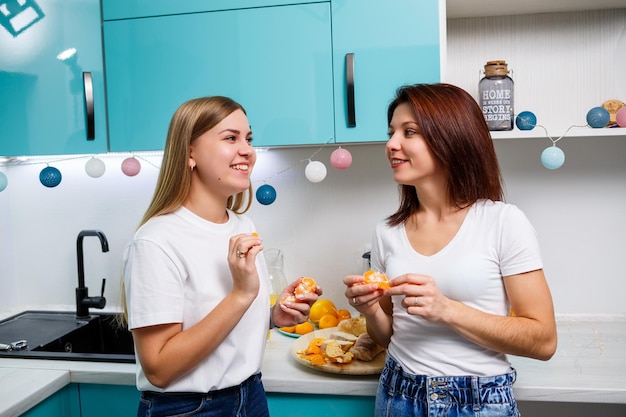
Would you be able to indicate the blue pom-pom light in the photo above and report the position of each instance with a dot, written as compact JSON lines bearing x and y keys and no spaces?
{"x":598,"y":117}
{"x":3,"y":181}
{"x":552,"y":157}
{"x":50,"y":177}
{"x":526,"y":120}
{"x":266,"y":194}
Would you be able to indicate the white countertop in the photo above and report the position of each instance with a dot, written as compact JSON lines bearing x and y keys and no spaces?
{"x":589,"y":366}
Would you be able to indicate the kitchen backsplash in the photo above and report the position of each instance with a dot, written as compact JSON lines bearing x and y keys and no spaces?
{"x":322,"y":228}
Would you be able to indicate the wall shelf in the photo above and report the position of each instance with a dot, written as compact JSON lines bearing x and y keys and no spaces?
{"x":575,"y":132}
{"x":463,"y":8}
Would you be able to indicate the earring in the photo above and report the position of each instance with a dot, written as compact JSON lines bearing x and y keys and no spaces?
{"x":192,"y":167}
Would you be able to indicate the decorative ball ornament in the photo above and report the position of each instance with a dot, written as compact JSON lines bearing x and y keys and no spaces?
{"x":526,"y":120}
{"x":50,"y":177}
{"x":552,"y":157}
{"x":620,"y":117}
{"x":95,"y":167}
{"x":341,"y":159}
{"x":131,"y":166}
{"x":598,"y":117}
{"x":3,"y":182}
{"x":315,"y":171}
{"x":266,"y":194}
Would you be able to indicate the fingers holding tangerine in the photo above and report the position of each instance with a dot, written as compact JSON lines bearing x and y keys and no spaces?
{"x":378,"y":278}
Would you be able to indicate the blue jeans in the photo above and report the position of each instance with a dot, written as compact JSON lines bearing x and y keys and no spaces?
{"x":245,"y":400}
{"x":401,"y":394}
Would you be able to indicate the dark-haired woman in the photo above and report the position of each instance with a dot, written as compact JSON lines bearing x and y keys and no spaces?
{"x":460,"y":260}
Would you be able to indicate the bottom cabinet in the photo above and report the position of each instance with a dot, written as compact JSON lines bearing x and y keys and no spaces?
{"x":63,"y":403}
{"x":99,"y":400}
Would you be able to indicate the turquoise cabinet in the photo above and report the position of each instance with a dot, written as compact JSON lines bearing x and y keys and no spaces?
{"x":389,"y":44}
{"x":275,"y":61}
{"x":51,"y":78}
{"x":99,"y":400}
{"x":307,"y":72}
{"x":63,"y":403}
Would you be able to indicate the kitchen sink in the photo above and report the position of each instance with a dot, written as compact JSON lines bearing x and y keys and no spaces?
{"x":62,"y":336}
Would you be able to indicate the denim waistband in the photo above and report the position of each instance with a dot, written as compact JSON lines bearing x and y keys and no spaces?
{"x":473,"y":390}
{"x":458,"y":382}
{"x":251,"y":379}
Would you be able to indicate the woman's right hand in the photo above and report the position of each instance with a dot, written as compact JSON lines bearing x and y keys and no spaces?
{"x":242,"y":252}
{"x":363,"y":297}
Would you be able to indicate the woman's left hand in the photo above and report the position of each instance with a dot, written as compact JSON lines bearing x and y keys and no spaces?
{"x":291,"y":312}
{"x":422,"y":296}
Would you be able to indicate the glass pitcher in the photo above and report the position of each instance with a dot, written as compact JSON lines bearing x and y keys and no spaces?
{"x":278,"y":281}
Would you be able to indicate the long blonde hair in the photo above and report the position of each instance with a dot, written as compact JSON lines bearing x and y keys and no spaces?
{"x":191,"y":120}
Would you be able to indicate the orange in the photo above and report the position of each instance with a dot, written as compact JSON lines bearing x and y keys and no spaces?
{"x":373,"y":277}
{"x":327,"y":320}
{"x":306,"y":285}
{"x":289,"y":329}
{"x":304,"y":328}
{"x":321,"y":308}
{"x":343,"y":314}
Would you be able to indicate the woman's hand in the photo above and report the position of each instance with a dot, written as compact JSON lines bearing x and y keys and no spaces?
{"x":290,"y":312}
{"x":422,"y":296}
{"x":363,"y":297}
{"x":242,"y":252}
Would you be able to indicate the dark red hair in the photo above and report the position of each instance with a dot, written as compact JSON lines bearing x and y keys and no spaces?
{"x":454,"y":128}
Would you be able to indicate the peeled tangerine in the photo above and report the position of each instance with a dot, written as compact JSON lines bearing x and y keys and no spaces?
{"x":305,"y":286}
{"x":379,"y":278}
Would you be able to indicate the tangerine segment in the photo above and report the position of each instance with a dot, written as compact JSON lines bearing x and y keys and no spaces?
{"x":379,"y":278}
{"x":306,"y":285}
{"x":304,"y":328}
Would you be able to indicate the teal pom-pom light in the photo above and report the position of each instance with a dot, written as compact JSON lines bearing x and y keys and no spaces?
{"x":50,"y":177}
{"x":598,"y":117}
{"x":266,"y":194}
{"x":526,"y":120}
{"x":552,"y":157}
{"x":3,"y":181}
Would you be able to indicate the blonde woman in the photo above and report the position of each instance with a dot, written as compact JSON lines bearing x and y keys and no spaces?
{"x":196,"y":282}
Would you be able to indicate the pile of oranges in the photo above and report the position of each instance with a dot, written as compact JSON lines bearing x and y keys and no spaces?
{"x":324,"y":314}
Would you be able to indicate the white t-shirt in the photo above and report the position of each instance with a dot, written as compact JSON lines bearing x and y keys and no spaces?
{"x":495,"y":240}
{"x":176,"y":271}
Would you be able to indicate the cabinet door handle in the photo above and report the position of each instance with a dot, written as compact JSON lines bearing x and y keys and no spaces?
{"x":88,"y":85}
{"x":350,"y":89}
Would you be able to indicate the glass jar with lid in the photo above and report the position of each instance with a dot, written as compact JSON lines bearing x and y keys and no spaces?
{"x":495,"y":91}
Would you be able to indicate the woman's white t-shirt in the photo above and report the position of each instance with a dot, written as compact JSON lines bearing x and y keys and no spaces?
{"x":494,"y":240}
{"x":176,"y":271}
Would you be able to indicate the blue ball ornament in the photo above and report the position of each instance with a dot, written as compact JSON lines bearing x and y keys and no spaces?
{"x":3,"y":181}
{"x":598,"y":117}
{"x":526,"y":120}
{"x":50,"y":177}
{"x":552,"y":157}
{"x":266,"y":194}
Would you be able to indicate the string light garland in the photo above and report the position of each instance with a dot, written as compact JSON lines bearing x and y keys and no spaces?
{"x":553,"y":157}
{"x":315,"y":171}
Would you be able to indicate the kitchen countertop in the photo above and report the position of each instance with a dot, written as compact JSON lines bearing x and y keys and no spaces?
{"x":589,"y":366}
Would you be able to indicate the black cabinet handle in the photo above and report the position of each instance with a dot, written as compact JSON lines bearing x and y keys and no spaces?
{"x":88,"y":85}
{"x":350,"y":89}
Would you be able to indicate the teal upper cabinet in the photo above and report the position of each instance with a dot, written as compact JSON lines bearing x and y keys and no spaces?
{"x":286,"y":64}
{"x":377,"y":47}
{"x":51,"y":78}
{"x":275,"y":61}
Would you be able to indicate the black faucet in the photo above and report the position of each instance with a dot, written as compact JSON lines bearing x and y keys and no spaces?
{"x":83,"y":300}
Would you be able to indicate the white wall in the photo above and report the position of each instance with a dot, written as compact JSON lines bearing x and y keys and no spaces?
{"x":322,"y":228}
